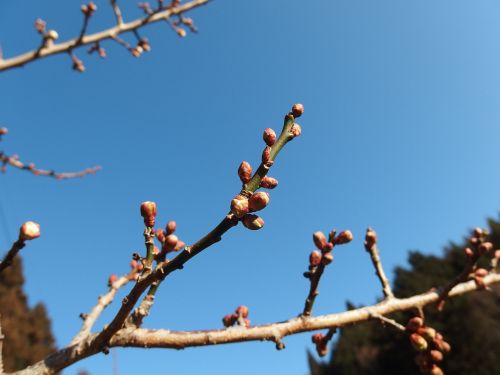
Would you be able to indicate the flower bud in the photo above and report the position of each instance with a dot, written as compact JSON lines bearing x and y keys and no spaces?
{"x":112,"y":278}
{"x":253,"y":222}
{"x":180,"y":245}
{"x":245,"y":172}
{"x":326,"y":259}
{"x":258,"y":201}
{"x":181,"y":32}
{"x":477,"y":232}
{"x":297,"y":110}
{"x":427,"y":332}
{"x":296,"y":130}
{"x":40,"y":25}
{"x":414,"y":324}
{"x":418,"y":342}
{"x":497,"y":254}
{"x":148,"y":212}
{"x":268,"y":182}
{"x":435,"y":370}
{"x":3,"y":131}
{"x":242,"y":311}
{"x":170,"y":242}
{"x":160,"y":235}
{"x":481,"y":272}
{"x":319,"y":240}
{"x":343,"y":237}
{"x":315,"y":258}
{"x":136,"y":51}
{"x":144,"y":44}
{"x":228,"y":320}
{"x":436,"y":355}
{"x":317,"y":338}
{"x":239,"y":206}
{"x":52,"y":35}
{"x":370,"y":238}
{"x":171,"y":227}
{"x":469,"y":252}
{"x":269,"y":136}
{"x":485,"y":247}
{"x":29,"y":231}
{"x":266,"y":155}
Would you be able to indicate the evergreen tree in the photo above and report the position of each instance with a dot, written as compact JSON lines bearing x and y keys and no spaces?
{"x":27,"y":331}
{"x":469,"y":323}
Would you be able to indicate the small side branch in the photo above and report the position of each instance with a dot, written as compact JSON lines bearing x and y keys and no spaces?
{"x":9,"y":257}
{"x":2,"y":337}
{"x":117,"y":12}
{"x":371,"y":248}
{"x":391,"y":322}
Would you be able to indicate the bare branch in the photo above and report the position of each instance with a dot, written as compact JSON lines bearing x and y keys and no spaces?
{"x":9,"y":257}
{"x":118,"y":13}
{"x":371,"y":248}
{"x":64,"y":47}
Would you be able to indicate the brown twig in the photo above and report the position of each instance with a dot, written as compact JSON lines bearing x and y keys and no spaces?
{"x":117,"y":12}
{"x":56,"y":48}
{"x":15,"y":162}
{"x":2,"y":337}
{"x":384,"y":320}
{"x":371,"y":248}
{"x":9,"y":257}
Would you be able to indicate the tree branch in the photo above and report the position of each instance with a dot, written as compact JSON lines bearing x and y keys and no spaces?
{"x":9,"y":257}
{"x":64,"y":47}
{"x":371,"y":248}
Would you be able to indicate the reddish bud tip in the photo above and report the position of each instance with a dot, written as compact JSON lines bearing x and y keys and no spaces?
{"x":228,"y":320}
{"x":3,"y":131}
{"x":148,"y":212}
{"x":370,"y":238}
{"x":414,"y":324}
{"x":181,"y":32}
{"x":29,"y":231}
{"x":469,"y":252}
{"x":319,"y":240}
{"x":171,"y":227}
{"x":258,"y":201}
{"x":435,"y":370}
{"x":40,"y":25}
{"x":268,"y":182}
{"x":343,"y":237}
{"x":239,"y":206}
{"x":296,"y":130}
{"x":315,"y":258}
{"x":245,"y":172}
{"x":160,"y":235}
{"x":170,"y":242}
{"x":317,"y":338}
{"x":269,"y":136}
{"x":253,"y":222}
{"x":485,"y":247}
{"x":180,"y":245}
{"x":327,"y":258}
{"x":436,"y":355}
{"x":112,"y":278}
{"x":477,"y":232}
{"x":297,"y":110}
{"x":266,"y":155}
{"x":242,"y":311}
{"x":481,"y":272}
{"x":418,"y":342}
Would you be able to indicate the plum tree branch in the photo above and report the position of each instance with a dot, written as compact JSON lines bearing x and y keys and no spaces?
{"x":81,"y":40}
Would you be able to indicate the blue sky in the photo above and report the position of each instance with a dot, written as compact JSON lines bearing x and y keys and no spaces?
{"x":399,"y":133}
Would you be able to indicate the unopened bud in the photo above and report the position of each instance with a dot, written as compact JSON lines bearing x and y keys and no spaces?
{"x":239,"y":205}
{"x":317,"y":338}
{"x":485,"y":247}
{"x":418,"y":342}
{"x":245,"y":172}
{"x":269,"y":136}
{"x":469,"y":252}
{"x":327,"y":258}
{"x":148,"y":212}
{"x":343,"y":237}
{"x":171,"y":227}
{"x":180,"y":245}
{"x":370,"y":238}
{"x":228,"y":320}
{"x":315,"y":258}
{"x":52,"y":35}
{"x":102,"y":52}
{"x":40,"y":25}
{"x":160,"y":235}
{"x":29,"y":231}
{"x":112,"y":278}
{"x":268,"y":182}
{"x":319,"y":240}
{"x":427,"y":332}
{"x":497,"y":254}
{"x":481,"y":272}
{"x":297,"y":110}
{"x":253,"y":222}
{"x":181,"y":32}
{"x":414,"y":324}
{"x":435,"y":370}
{"x":266,"y":155}
{"x":477,"y":232}
{"x":296,"y":130}
{"x":242,"y":311}
{"x":144,"y":43}
{"x":3,"y":131}
{"x":436,"y":355}
{"x":170,"y":242}
{"x":258,"y":201}
{"x":136,"y":51}
{"x":78,"y":65}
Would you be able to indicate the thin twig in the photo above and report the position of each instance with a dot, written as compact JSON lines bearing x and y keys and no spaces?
{"x":2,"y":337}
{"x":371,"y":248}
{"x":54,"y":49}
{"x":15,"y":162}
{"x":384,"y":320}
{"x":117,"y":12}
{"x":9,"y":257}
{"x":313,"y":290}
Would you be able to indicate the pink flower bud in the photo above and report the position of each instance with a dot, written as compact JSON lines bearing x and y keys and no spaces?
{"x":180,"y":245}
{"x":269,"y":136}
{"x":239,"y":205}
{"x":297,"y":110}
{"x":343,"y":237}
{"x":485,"y":247}
{"x":436,"y":356}
{"x":228,"y":320}
{"x":148,"y":212}
{"x":435,"y":370}
{"x":242,"y":311}
{"x":258,"y":201}
{"x":40,"y":25}
{"x":29,"y":231}
{"x":319,"y":240}
{"x":170,"y":242}
{"x":315,"y":258}
{"x":414,"y":324}
{"x":253,"y":222}
{"x":3,"y":131}
{"x":477,"y":232}
{"x":245,"y":172}
{"x":370,"y":238}
{"x":427,"y":332}
{"x":160,"y":235}
{"x":481,"y":272}
{"x":469,"y":252}
{"x":497,"y":254}
{"x":266,"y":155}
{"x":112,"y":278}
{"x":317,"y":338}
{"x":171,"y":227}
{"x":268,"y":182}
{"x":327,"y":258}
{"x":296,"y":130}
{"x":418,"y":342}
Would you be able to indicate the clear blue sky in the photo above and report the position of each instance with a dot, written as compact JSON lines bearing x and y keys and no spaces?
{"x":400,"y":132}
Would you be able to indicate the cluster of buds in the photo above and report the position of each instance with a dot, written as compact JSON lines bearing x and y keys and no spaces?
{"x":323,"y":255}
{"x":297,"y":111}
{"x":141,"y":47}
{"x":187,"y":22}
{"x":97,"y":48}
{"x":136,"y":267}
{"x":321,"y":342}
{"x":240,"y":316}
{"x":429,"y":344}
{"x":241,"y":207}
{"x":169,"y":241}
{"x":479,"y":246}
{"x":88,"y":9}
{"x":148,"y":212}
{"x":29,"y":231}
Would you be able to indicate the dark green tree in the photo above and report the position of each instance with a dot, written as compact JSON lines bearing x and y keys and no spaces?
{"x":27,"y":331}
{"x":470,"y":323}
